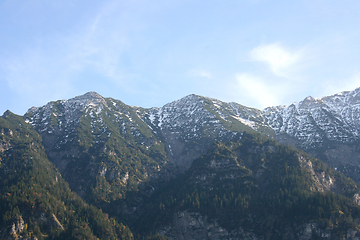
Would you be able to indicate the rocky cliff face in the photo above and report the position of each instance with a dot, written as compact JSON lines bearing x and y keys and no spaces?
{"x":190,"y":125}
{"x":190,"y":225}
{"x":328,"y":128}
{"x":314,"y":121}
{"x":245,"y":189}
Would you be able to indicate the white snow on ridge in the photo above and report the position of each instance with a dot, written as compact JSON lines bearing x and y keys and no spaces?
{"x":338,"y":116}
{"x":245,"y":122}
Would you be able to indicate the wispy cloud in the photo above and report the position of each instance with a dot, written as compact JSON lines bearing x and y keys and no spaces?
{"x":282,"y":82}
{"x":102,"y":43}
{"x":257,"y":90}
{"x":279,"y":59}
{"x":347,"y":84}
{"x":32,"y":74}
{"x":200,"y":73}
{"x":96,"y":46}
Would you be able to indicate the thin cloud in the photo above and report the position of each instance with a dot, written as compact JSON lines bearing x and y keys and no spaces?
{"x":100,"y":47}
{"x":257,"y":90}
{"x":269,"y":89}
{"x":34,"y":81}
{"x":200,"y":73}
{"x":279,"y":59}
{"x":347,"y":84}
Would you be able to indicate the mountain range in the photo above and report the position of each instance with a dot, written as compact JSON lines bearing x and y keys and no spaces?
{"x":196,"y":168}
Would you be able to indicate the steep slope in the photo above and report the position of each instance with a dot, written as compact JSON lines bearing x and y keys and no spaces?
{"x":35,"y":201}
{"x":328,"y":128}
{"x":252,"y":188}
{"x":100,"y":143}
{"x":314,"y":121}
{"x":121,"y":159}
{"x":115,"y":156}
{"x":190,"y":125}
{"x":100,"y":146}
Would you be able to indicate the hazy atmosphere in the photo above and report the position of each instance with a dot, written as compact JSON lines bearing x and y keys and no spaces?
{"x":147,"y":53}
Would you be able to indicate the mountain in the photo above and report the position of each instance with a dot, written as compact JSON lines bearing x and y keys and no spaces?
{"x":35,"y":201}
{"x":253,"y":188}
{"x":89,"y":136}
{"x":122,"y":146}
{"x":195,"y":168}
{"x":327,"y":128}
{"x":315,"y":121}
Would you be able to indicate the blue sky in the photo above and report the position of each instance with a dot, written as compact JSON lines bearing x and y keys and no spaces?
{"x":146,"y":53}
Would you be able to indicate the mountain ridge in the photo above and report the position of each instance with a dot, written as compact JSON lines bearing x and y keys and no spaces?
{"x":133,"y":162}
{"x":308,"y":124}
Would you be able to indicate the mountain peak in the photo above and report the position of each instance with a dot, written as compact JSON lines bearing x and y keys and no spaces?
{"x":190,"y":97}
{"x":345,"y":98}
{"x":7,"y":113}
{"x":308,"y":102}
{"x":89,"y":98}
{"x":187,"y":101}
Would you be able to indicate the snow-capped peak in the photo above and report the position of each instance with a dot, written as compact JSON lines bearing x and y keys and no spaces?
{"x":90,"y":98}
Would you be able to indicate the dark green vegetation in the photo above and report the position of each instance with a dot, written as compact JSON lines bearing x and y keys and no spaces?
{"x":256,"y":184}
{"x":92,"y":167}
{"x":36,"y":199}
